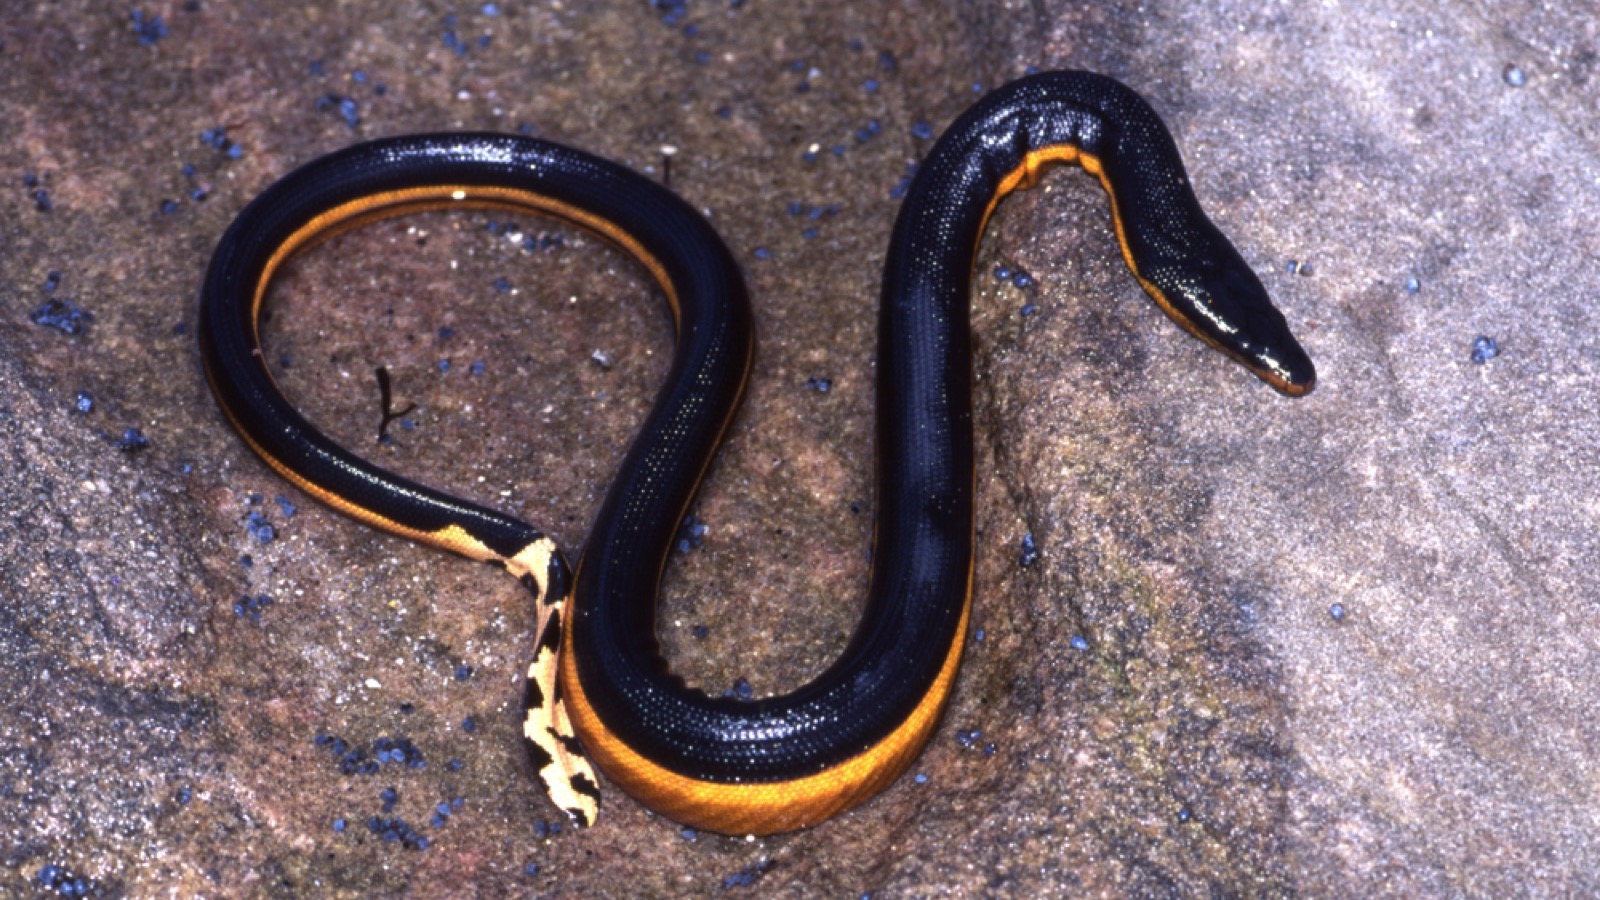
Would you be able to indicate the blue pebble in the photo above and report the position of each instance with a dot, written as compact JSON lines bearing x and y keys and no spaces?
{"x":1336,"y":611}
{"x":83,"y":402}
{"x":921,"y":130}
{"x":1078,"y":642}
{"x":1030,"y":551}
{"x":1484,"y":349}
{"x":260,"y":528}
{"x":132,"y":441}
{"x":149,"y":30}
{"x":63,"y":315}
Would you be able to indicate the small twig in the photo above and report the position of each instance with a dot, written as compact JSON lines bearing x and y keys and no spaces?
{"x":389,"y":414}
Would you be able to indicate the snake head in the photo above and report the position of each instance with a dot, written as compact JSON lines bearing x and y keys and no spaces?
{"x":1219,"y":299}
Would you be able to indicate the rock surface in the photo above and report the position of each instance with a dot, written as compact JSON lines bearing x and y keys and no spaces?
{"x":1339,"y":646}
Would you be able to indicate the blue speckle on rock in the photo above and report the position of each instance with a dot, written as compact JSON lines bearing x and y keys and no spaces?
{"x":1030,"y":551}
{"x":260,"y":528}
{"x":63,"y":315}
{"x":132,"y":441}
{"x":148,"y":29}
{"x":1484,"y":349}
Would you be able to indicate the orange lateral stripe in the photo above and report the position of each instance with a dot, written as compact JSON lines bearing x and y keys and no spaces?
{"x":1038,"y":162}
{"x":383,"y":205}
{"x":761,"y":808}
{"x":372,"y":207}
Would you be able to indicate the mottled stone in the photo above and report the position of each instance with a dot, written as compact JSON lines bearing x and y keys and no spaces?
{"x":1163,"y":702}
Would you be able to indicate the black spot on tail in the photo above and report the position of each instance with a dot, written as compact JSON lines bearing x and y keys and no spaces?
{"x":551,"y":639}
{"x":583,"y":785}
{"x":559,"y":577}
{"x":533,"y":695}
{"x":532,"y":584}
{"x":578,"y":818}
{"x":573,"y":745}
{"x":540,"y":756}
